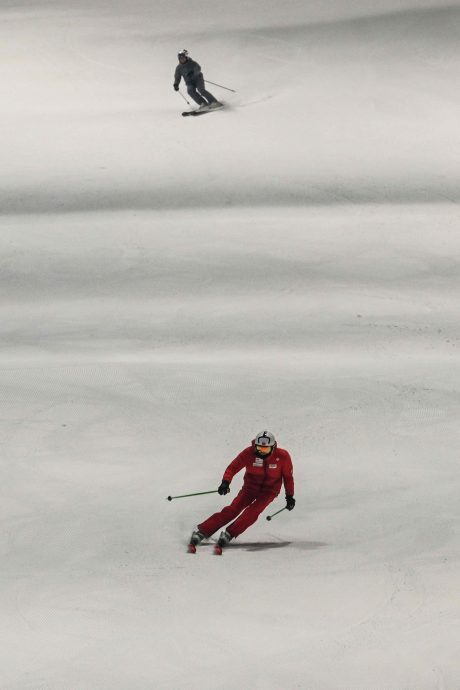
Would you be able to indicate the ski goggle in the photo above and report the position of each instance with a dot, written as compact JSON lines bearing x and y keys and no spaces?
{"x":265,"y":450}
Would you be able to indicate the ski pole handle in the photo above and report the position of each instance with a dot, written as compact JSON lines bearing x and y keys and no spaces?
{"x":269,"y":517}
{"x":200,"y":493}
{"x":219,"y":85}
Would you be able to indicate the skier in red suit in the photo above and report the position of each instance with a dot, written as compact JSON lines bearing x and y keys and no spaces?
{"x":267,"y":468}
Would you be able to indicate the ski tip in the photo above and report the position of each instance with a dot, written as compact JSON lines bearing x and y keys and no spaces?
{"x":217,"y":550}
{"x":191,"y":548}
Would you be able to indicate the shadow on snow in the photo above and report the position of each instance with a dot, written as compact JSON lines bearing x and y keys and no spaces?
{"x":265,"y":545}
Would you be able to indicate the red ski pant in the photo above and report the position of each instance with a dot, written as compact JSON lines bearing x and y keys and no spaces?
{"x":251,"y":501}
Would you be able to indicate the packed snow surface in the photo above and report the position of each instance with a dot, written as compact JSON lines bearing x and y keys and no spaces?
{"x":171,"y":286}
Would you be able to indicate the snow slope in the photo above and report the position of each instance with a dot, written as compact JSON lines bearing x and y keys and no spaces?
{"x":170,"y":286}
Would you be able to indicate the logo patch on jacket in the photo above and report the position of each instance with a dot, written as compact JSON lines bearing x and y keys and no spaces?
{"x":259,"y":462}
{"x":272,"y":467}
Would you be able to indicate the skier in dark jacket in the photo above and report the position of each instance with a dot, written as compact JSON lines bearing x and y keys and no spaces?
{"x":267,"y":469}
{"x":191,"y":72}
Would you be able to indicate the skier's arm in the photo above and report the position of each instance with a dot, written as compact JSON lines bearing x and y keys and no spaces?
{"x":235,"y":466}
{"x":288,"y":476}
{"x":177,"y":77}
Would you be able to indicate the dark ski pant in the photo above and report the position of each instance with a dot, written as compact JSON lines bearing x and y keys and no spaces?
{"x":197,"y":91}
{"x":251,"y":501}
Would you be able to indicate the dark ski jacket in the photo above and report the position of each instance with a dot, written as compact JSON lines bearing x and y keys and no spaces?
{"x":263,"y":474}
{"x":189,"y":71}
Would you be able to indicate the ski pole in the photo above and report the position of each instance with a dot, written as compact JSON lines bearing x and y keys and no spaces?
{"x":188,"y":102}
{"x":219,"y":85}
{"x":200,"y":493}
{"x":269,"y":517}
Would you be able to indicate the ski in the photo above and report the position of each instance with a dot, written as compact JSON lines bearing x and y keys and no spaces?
{"x":217,"y":550}
{"x":194,"y":113}
{"x":201,"y":111}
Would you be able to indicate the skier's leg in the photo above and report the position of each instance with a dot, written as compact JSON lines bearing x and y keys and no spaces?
{"x":202,"y":90}
{"x":250,"y":514}
{"x":193,"y":93}
{"x":219,"y":519}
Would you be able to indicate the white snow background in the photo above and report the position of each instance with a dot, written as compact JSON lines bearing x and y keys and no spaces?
{"x":171,"y":286}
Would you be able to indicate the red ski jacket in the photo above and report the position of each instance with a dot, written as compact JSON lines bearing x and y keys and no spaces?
{"x":263,"y":474}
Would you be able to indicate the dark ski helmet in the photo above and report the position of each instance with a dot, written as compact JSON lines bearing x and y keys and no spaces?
{"x":182,"y":54}
{"x":264,"y":444}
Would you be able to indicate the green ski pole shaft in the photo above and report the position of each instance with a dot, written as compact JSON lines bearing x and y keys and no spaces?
{"x":200,"y":493}
{"x":269,"y":517}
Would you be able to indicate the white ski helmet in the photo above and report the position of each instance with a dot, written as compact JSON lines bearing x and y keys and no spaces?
{"x":183,"y":54}
{"x":265,"y":438}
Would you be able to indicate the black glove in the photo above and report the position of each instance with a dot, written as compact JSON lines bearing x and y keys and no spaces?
{"x":290,"y":502}
{"x":224,"y":488}
{"x":176,"y":87}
